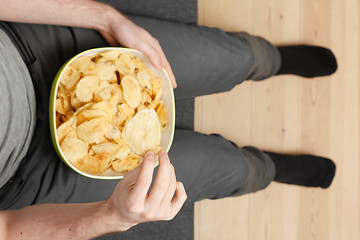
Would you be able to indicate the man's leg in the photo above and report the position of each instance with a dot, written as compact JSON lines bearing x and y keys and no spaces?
{"x":212,"y":167}
{"x":204,"y":60}
{"x":208,"y":165}
{"x":208,"y":60}
{"x":183,"y":11}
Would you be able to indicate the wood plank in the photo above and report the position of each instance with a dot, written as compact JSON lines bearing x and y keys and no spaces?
{"x":289,"y":114}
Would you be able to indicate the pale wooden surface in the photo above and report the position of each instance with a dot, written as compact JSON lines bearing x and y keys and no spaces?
{"x":289,"y":114}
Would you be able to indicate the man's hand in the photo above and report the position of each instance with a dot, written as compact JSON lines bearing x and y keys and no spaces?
{"x":114,"y":26}
{"x":131,"y":200}
{"x":128,"y":34}
{"x":129,"y":205}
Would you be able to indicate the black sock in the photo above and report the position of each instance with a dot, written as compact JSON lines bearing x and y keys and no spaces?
{"x":307,"y":61}
{"x":303,"y":170}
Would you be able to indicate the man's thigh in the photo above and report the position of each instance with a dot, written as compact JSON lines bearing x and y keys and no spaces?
{"x":204,"y":60}
{"x":208,"y":165}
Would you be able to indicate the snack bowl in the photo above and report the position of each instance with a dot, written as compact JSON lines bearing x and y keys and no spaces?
{"x":167,"y":99}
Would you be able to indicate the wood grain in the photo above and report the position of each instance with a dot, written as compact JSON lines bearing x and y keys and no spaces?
{"x":292,"y":115}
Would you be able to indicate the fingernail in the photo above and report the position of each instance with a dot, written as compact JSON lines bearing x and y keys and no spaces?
{"x":159,"y":66}
{"x":149,"y":155}
{"x":163,"y":153}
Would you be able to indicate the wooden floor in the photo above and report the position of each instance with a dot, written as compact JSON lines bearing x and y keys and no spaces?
{"x":293,"y":115}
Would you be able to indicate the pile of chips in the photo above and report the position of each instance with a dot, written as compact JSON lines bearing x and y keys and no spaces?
{"x":109,"y":112}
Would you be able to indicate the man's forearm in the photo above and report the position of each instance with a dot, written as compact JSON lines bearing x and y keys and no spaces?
{"x":60,"y":221}
{"x":75,"y":13}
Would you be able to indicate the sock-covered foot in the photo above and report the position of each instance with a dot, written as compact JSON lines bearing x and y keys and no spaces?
{"x":307,"y":61}
{"x":303,"y":170}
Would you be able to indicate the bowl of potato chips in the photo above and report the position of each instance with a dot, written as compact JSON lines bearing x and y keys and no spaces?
{"x":108,"y":107}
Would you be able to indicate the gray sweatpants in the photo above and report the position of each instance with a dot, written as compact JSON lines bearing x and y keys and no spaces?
{"x":204,"y":60}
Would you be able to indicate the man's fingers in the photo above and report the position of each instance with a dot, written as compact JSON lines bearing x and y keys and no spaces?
{"x":162,"y":180}
{"x":144,"y":177}
{"x":153,"y":55}
{"x":168,"y":69}
{"x":109,"y":39}
{"x":171,"y":75}
{"x":171,"y":189}
{"x":179,"y":199}
{"x":165,"y":63}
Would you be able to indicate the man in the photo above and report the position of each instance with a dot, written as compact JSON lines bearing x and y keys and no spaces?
{"x":51,"y":200}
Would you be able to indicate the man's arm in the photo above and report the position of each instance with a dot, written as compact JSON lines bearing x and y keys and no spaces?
{"x":129,"y":205}
{"x":60,"y":221}
{"x":78,"y":13}
{"x":115,"y":27}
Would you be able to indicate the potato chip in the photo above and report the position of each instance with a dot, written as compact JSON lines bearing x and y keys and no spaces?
{"x":91,"y":164}
{"x":126,"y":63}
{"x":106,"y":93}
{"x":60,"y":106}
{"x":143,"y":78}
{"x":145,"y":97}
{"x":70,"y":77}
{"x":75,"y":102}
{"x":123,"y":152}
{"x":163,"y":120}
{"x":159,"y":94}
{"x":69,"y":114}
{"x":100,"y":59}
{"x":106,"y":72}
{"x":74,"y":149}
{"x":125,"y":165}
{"x":63,"y":105}
{"x":59,"y":120}
{"x":86,"y":88}
{"x":109,"y":107}
{"x":121,"y":142}
{"x":65,"y":128}
{"x":62,"y":92}
{"x":120,"y":95}
{"x":82,"y":63}
{"x":131,"y":91}
{"x":91,"y":71}
{"x":96,"y":164}
{"x":119,"y":121}
{"x":92,"y":131}
{"x":155,"y":104}
{"x":125,"y":110}
{"x":143,"y":132}
{"x":111,"y":148}
{"x":140,"y":107}
{"x":63,"y":118}
{"x":102,"y":85}
{"x":110,"y":55}
{"x":139,"y":65}
{"x":79,"y":165}
{"x":72,"y":134}
{"x":89,"y":114}
{"x":157,"y":150}
{"x":156,"y":85}
{"x":112,"y":132}
{"x":105,"y":160}
{"x":84,"y":107}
